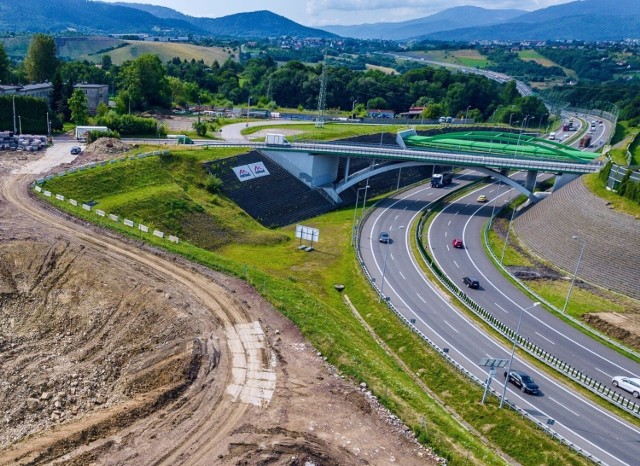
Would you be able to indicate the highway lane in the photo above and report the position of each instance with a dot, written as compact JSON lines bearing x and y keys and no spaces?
{"x":594,"y":429}
{"x":465,"y":218}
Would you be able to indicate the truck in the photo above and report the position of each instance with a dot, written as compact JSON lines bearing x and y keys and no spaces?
{"x":440,"y":180}
{"x":585,"y":141}
{"x":83,"y":131}
{"x":182,"y":139}
{"x":275,"y":139}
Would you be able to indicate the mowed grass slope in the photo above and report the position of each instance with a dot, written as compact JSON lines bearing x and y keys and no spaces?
{"x":301,"y":286}
{"x":167,"y":193}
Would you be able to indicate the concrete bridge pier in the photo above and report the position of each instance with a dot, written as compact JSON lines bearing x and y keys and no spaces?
{"x":562,"y":179}
{"x":530,"y":183}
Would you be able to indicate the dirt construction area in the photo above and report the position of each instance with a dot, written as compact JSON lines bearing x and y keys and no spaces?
{"x":113,"y":353}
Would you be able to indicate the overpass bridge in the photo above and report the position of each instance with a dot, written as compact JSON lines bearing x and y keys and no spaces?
{"x":492,"y":153}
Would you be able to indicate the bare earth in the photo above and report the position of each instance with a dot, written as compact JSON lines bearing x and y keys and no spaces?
{"x":114,"y":353}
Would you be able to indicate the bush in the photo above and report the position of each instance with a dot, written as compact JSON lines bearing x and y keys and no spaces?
{"x":213,"y":184}
{"x":95,"y":135}
{"x":131,"y":124}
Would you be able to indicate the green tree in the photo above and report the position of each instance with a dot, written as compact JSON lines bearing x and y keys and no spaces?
{"x":145,"y":81}
{"x":106,"y":62}
{"x":41,"y":61}
{"x":79,"y":107}
{"x":5,"y":66}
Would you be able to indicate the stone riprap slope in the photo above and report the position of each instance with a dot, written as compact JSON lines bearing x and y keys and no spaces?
{"x":612,"y":251}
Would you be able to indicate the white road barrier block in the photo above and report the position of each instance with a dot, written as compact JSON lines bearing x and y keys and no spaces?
{"x":39,"y":189}
{"x":173,"y":239}
{"x":157,"y":233}
{"x":143,"y":228}
{"x":86,"y":207}
{"x":47,"y":193}
{"x":60,"y":197}
{"x":113,"y":217}
{"x":128,"y":222}
{"x":100,"y":213}
{"x":73,"y":202}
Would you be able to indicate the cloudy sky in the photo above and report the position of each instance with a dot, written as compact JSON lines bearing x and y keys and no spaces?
{"x":343,"y":12}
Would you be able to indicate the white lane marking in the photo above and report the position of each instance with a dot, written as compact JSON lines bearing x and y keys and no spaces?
{"x":449,"y":223}
{"x":446,"y":233}
{"x":403,"y":277}
{"x":452,"y":327}
{"x":448,"y":247}
{"x":391,"y":255}
{"x":456,"y":264}
{"x":558,"y":403}
{"x":600,"y":370}
{"x":421,"y":298}
{"x":501,"y":308}
{"x":473,"y":363}
{"x":466,"y":205}
{"x":491,"y":191}
{"x":545,"y":338}
{"x":396,"y":217}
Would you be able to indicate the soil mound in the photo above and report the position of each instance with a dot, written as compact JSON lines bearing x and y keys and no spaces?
{"x":108,"y":146}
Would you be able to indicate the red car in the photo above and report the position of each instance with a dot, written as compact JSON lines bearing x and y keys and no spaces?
{"x":457,"y":243}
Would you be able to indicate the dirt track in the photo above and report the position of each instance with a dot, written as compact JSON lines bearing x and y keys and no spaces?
{"x":113,"y":353}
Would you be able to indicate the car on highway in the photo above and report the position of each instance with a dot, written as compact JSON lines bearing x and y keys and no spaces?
{"x":384,"y":237}
{"x":630,"y":384}
{"x":471,"y":282}
{"x":523,"y":381}
{"x":482,"y":198}
{"x":75,"y":150}
{"x":457,"y":243}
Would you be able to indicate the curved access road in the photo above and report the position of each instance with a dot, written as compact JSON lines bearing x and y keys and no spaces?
{"x":395,"y":269}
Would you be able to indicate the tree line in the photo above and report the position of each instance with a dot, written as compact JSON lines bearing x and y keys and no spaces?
{"x":146,"y":83}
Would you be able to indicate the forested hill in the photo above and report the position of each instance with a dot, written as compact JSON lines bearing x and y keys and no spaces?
{"x":53,"y":16}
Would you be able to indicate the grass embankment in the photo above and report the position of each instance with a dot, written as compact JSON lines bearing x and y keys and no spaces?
{"x":583,"y":300}
{"x":169,"y":192}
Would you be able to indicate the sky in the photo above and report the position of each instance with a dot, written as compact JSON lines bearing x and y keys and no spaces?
{"x":338,"y":12}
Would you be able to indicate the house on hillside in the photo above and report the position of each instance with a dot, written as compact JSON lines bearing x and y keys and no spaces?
{"x":95,"y":93}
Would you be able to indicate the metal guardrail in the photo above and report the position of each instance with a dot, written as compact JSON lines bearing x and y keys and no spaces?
{"x":443,"y":158}
{"x":540,"y":354}
{"x":523,"y":413}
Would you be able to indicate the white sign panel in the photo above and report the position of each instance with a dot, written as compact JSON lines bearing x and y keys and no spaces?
{"x":113,"y":217}
{"x":47,"y":193}
{"x":173,"y":239}
{"x":86,"y":206}
{"x":243,"y":173}
{"x":143,"y":228}
{"x":158,"y":233}
{"x":60,"y":197}
{"x":258,"y":169}
{"x":128,"y":222}
{"x":308,"y":233}
{"x":39,"y":189}
{"x":73,"y":202}
{"x":100,"y":212}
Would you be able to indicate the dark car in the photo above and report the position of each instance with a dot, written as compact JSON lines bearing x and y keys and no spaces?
{"x":471,"y":282}
{"x":523,"y":382}
{"x":457,"y":243}
{"x":384,"y":237}
{"x":75,"y":150}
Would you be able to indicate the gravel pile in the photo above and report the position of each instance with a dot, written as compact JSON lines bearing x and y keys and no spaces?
{"x":108,"y":146}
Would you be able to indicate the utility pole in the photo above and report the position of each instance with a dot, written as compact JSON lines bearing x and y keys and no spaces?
{"x":20,"y":122}
{"x":15,"y":130}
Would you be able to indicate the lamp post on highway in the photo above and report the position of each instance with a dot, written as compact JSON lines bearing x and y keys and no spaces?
{"x":506,"y":240}
{"x":513,"y":350}
{"x":575,"y":272}
{"x":364,"y":199}
{"x":248,"y":107}
{"x":355,"y":209}
{"x":386,"y":255}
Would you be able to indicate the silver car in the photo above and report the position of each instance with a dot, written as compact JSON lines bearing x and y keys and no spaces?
{"x":630,"y":384}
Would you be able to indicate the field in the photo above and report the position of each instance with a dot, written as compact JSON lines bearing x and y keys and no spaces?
{"x":92,"y":49}
{"x":466,"y":57}
{"x":532,"y":55}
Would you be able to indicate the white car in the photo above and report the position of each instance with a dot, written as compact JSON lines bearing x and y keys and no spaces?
{"x":630,"y":384}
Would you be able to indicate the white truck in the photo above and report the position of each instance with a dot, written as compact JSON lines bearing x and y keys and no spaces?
{"x":275,"y":139}
{"x":83,"y":131}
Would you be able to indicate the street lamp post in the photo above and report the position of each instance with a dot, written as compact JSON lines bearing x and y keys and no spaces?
{"x":506,"y":239}
{"x":513,"y":350}
{"x":575,"y":272}
{"x":386,"y":255}
{"x":355,"y":209}
{"x":466,"y":114}
{"x":248,"y":106}
{"x":364,"y":200}
{"x":353,"y":108}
